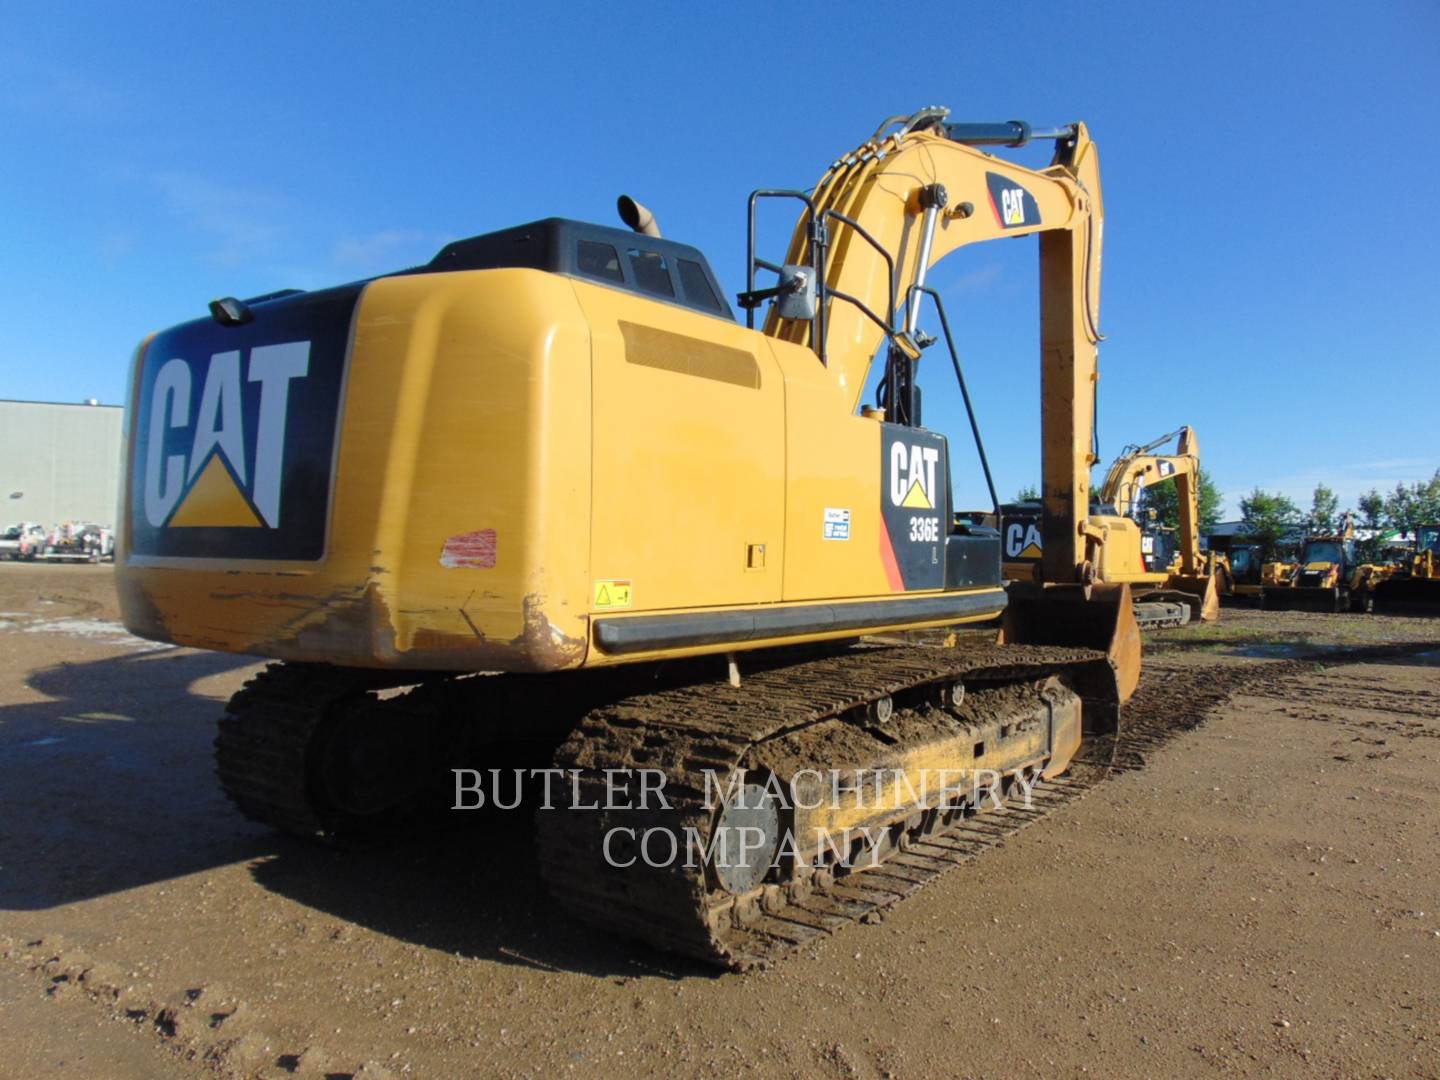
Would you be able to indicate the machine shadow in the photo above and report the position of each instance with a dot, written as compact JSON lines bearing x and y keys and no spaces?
{"x":474,"y":891}
{"x":108,"y":784}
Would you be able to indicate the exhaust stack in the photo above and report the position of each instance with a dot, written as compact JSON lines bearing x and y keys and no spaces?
{"x":637,"y":217}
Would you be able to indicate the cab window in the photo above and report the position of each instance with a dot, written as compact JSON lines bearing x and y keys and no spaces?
{"x":697,"y":286}
{"x":651,"y":272}
{"x":598,"y":260}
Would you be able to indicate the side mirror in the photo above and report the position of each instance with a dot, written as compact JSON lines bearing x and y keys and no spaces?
{"x":796,"y":298}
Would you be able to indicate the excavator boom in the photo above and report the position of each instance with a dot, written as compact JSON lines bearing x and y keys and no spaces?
{"x":878,"y":219}
{"x":885,"y":213}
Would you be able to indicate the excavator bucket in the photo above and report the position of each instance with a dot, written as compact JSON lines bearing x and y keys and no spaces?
{"x":1202,"y":594}
{"x":1408,"y":596}
{"x":1098,"y":617}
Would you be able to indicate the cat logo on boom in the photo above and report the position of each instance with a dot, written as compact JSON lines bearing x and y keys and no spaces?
{"x":1012,"y":204}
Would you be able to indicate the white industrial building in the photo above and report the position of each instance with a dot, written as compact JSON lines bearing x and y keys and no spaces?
{"x":59,"y":462}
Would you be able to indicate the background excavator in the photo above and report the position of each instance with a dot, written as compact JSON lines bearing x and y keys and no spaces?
{"x":1414,"y":585}
{"x":1167,"y":592}
{"x":553,"y":454}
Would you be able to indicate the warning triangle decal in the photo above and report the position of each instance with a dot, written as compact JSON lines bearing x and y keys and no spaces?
{"x":915,"y":498}
{"x":214,"y":500}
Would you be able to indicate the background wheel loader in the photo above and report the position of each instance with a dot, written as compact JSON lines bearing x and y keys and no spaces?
{"x":1238,"y":571}
{"x":553,"y":454}
{"x":1327,"y":576}
{"x":1413,"y":587}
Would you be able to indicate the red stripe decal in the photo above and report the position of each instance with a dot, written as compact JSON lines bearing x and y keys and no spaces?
{"x":887,"y":558}
{"x":998,"y":219}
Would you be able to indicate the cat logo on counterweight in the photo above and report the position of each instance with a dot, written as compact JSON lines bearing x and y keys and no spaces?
{"x":229,"y":477}
{"x":234,"y":432}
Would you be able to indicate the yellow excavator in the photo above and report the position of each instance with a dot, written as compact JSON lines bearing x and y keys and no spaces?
{"x":1166,"y":593}
{"x":1413,"y":586}
{"x":553,"y":454}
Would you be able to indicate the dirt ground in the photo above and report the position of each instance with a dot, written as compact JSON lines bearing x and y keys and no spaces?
{"x":1262,"y":897}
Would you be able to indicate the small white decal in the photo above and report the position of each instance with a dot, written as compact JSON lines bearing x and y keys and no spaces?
{"x":837,"y":523}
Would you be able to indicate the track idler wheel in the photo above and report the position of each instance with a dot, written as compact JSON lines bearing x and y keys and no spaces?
{"x":746,"y":837}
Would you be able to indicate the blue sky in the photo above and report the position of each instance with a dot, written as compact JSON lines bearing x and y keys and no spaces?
{"x":1269,"y":170}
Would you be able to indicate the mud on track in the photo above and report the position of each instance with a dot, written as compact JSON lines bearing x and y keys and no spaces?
{"x":1272,"y":863}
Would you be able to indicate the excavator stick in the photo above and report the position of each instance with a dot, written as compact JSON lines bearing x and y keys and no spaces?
{"x":1408,"y":596}
{"x":1100,"y":617}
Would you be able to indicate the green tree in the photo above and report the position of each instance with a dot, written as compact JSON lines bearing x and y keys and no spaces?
{"x":1165,"y":501}
{"x":1414,"y":504}
{"x":1268,"y":517}
{"x":1324,"y":510}
{"x":1028,"y":493}
{"x":1370,"y":509}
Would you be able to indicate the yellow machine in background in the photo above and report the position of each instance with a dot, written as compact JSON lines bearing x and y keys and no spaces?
{"x":1277,"y":573}
{"x":1191,"y":578}
{"x":1173,"y":595}
{"x":1327,"y":576}
{"x":553,"y":451}
{"x":1238,"y":571}
{"x":1413,"y":587}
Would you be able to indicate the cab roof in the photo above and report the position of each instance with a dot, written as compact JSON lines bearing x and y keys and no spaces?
{"x":648,"y":266}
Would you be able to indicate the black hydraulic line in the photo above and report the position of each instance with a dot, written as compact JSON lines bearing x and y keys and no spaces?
{"x":1095,"y":421}
{"x":889,"y":262}
{"x":887,"y":327}
{"x":964,"y":390}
